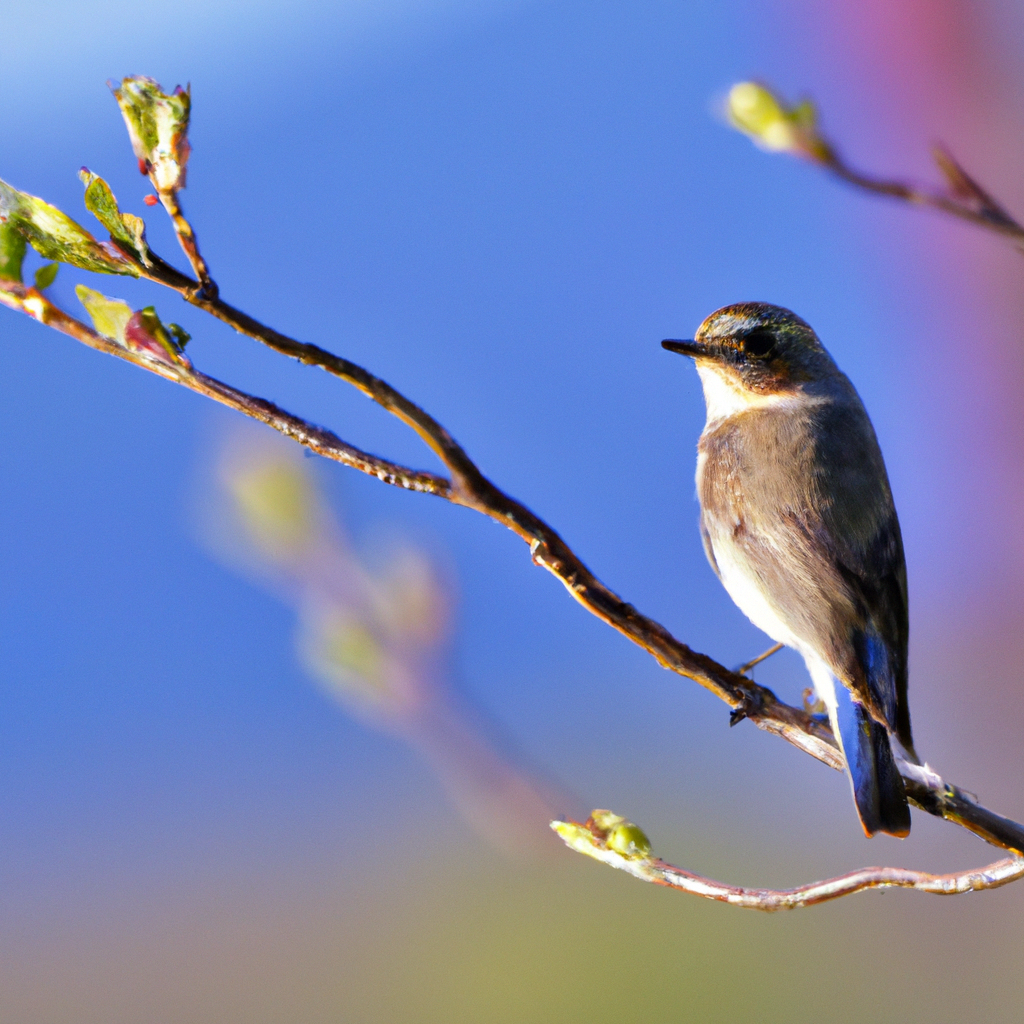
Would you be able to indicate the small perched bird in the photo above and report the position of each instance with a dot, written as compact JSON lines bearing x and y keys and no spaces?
{"x":798,"y":523}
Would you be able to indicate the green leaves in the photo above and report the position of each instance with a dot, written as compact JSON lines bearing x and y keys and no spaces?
{"x":756,"y":111}
{"x":139,"y":331}
{"x":46,"y":275}
{"x":158,"y":128}
{"x":12,"y":252}
{"x":109,"y":316}
{"x":55,"y":236}
{"x":127,"y":231}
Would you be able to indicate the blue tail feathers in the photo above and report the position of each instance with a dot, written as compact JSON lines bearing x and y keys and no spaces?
{"x":877,"y":785}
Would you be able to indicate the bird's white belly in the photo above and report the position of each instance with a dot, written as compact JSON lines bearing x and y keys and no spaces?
{"x":747,"y":594}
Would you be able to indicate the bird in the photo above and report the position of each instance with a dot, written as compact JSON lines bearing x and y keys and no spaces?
{"x":798,"y":522}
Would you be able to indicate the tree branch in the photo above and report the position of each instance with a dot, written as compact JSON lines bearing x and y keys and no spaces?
{"x":777,"y":126}
{"x":472,"y":490}
{"x":620,"y":844}
{"x":965,"y":199}
{"x":28,"y":300}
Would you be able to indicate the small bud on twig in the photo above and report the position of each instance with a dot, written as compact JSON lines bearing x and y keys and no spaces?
{"x":139,"y":331}
{"x":145,"y":333}
{"x":620,"y":844}
{"x":158,"y":129}
{"x":757,"y":112}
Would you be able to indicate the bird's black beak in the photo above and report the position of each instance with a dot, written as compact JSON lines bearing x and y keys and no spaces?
{"x":685,"y":348}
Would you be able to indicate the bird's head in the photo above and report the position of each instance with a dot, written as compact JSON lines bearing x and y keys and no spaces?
{"x":752,"y":351}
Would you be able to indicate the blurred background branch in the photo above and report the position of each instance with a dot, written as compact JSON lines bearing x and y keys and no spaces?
{"x":376,"y":640}
{"x":774,"y":125}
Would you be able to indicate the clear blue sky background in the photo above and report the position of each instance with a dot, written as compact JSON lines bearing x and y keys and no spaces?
{"x":501,"y":208}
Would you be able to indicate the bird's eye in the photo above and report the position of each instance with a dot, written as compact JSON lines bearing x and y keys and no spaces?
{"x":759,"y":344}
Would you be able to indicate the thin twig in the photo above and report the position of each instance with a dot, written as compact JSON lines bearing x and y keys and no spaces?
{"x":779,"y":126}
{"x":977,"y":207}
{"x":188,"y":242}
{"x":592,"y":840}
{"x":323,"y":442}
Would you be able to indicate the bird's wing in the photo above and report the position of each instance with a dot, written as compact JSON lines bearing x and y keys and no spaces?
{"x":803,"y":506}
{"x":708,"y":549}
{"x":875,"y":573}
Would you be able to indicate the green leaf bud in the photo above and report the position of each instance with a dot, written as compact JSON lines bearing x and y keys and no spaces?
{"x":756,"y":111}
{"x":158,"y":127}
{"x":109,"y":316}
{"x":12,"y":252}
{"x":145,"y":333}
{"x":46,"y":275}
{"x":629,"y":840}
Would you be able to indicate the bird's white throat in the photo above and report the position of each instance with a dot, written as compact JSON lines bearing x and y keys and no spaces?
{"x":725,"y":397}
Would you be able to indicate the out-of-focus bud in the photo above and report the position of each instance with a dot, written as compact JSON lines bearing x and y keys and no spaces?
{"x":373,"y":637}
{"x":158,"y":128}
{"x":757,"y":112}
{"x":408,"y":600}
{"x":145,"y":333}
{"x":277,"y":506}
{"x":109,"y":316}
{"x":342,"y":650}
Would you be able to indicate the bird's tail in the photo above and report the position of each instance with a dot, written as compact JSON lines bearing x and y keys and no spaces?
{"x":877,"y":785}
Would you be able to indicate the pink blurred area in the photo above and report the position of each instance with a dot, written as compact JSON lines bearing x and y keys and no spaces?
{"x":919,"y":73}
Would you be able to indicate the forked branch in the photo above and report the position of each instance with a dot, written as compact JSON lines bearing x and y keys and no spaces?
{"x":17,"y":296}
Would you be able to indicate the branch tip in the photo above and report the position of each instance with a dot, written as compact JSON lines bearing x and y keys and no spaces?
{"x":758,"y":112}
{"x":600,"y":837}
